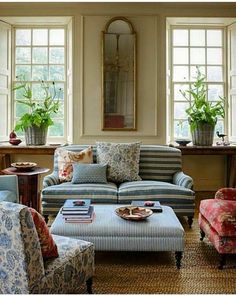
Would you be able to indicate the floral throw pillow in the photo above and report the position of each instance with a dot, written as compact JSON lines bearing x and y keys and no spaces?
{"x":67,"y":158}
{"x":48,"y":246}
{"x":122,"y":160}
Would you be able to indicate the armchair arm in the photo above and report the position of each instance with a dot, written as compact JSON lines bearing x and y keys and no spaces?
{"x":10,"y":183}
{"x":182,"y":179}
{"x":226,"y":193}
{"x":51,"y":179}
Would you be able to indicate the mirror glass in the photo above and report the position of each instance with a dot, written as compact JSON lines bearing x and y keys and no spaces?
{"x":119,"y":69}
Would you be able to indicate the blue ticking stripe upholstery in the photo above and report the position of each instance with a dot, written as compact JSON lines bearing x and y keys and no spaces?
{"x":162,"y":179}
{"x":167,"y":193}
{"x":53,"y":197}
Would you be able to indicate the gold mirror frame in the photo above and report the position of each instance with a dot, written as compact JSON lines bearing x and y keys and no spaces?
{"x":119,"y":75}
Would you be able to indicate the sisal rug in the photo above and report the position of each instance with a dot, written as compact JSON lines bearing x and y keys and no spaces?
{"x":148,"y":272}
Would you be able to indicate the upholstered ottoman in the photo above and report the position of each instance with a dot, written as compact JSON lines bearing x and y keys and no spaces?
{"x":217,"y":220}
{"x":108,"y":232}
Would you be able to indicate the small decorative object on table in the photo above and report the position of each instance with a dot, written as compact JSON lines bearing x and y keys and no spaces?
{"x":183,"y":142}
{"x":133,"y":213}
{"x":13,"y":139}
{"x":222,"y":136}
{"x":24,"y":166}
{"x":154,"y":205}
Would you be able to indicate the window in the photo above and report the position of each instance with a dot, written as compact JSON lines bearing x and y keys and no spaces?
{"x":40,"y":54}
{"x":191,"y":47}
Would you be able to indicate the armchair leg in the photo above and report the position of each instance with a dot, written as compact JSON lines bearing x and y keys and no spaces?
{"x":89,"y":284}
{"x":190,"y":221}
{"x":222,"y":261}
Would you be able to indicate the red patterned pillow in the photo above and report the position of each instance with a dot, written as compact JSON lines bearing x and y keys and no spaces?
{"x":48,"y":246}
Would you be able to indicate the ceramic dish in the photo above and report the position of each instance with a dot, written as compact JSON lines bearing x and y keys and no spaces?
{"x":24,"y":166}
{"x":133,"y":213}
{"x":183,"y":142}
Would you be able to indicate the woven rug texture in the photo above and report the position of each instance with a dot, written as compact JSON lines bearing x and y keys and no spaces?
{"x":155,"y":272}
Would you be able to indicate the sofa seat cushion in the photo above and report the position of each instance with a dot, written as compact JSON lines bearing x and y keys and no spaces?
{"x":168,"y":194}
{"x":53,"y":197}
{"x":221,"y":215}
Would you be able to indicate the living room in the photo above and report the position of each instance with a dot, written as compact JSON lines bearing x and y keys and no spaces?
{"x":157,"y":117}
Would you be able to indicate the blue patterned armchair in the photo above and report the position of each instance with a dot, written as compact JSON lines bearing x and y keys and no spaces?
{"x":22,"y":268}
{"x":9,"y":188}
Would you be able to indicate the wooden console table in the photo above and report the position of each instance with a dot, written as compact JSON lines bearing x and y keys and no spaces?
{"x":6,"y":150}
{"x":28,"y":182}
{"x":228,"y":151}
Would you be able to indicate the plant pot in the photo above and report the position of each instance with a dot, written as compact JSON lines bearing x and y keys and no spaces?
{"x":35,"y":135}
{"x":203,"y":135}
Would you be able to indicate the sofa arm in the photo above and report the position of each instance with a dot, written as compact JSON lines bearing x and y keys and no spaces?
{"x":226,"y":193}
{"x":51,"y":179}
{"x":10,"y":183}
{"x":182,"y":179}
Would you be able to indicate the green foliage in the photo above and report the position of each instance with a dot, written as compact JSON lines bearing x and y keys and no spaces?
{"x":39,"y":112}
{"x":202,"y":111}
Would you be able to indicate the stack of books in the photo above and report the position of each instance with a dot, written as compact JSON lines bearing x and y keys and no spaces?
{"x":78,"y":211}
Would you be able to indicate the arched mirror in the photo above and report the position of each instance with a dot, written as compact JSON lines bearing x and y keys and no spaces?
{"x":119,"y":75}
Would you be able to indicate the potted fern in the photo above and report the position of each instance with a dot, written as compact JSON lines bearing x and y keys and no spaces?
{"x":35,"y":123}
{"x":202,"y":114}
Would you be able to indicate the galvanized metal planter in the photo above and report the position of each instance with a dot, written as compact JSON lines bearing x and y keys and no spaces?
{"x":35,"y":135}
{"x":203,"y":135}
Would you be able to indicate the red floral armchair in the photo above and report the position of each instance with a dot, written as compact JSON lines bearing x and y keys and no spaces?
{"x":217,"y":221}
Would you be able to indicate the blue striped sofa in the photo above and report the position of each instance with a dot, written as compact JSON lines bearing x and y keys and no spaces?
{"x":162,"y":179}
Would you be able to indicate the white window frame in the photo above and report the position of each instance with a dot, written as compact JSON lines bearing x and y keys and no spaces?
{"x":51,"y":139}
{"x":171,"y":120}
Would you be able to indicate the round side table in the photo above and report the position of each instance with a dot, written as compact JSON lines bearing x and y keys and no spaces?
{"x":28,"y":182}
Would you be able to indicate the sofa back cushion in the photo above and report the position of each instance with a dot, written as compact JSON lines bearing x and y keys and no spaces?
{"x":157,"y":162}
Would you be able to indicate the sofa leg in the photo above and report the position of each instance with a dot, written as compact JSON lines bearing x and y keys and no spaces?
{"x":222,"y":261}
{"x":89,"y":284}
{"x":190,"y":221}
{"x":202,"y":234}
{"x":178,"y":257}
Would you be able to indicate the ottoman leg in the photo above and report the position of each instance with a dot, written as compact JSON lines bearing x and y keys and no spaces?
{"x":178,"y":257}
{"x":222,"y":261}
{"x":202,"y":234}
{"x":89,"y":284}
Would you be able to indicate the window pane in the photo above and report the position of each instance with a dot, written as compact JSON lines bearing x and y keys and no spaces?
{"x":40,"y":37}
{"x":23,"y":37}
{"x":59,"y":88}
{"x":60,"y":113}
{"x":40,"y":73}
{"x":177,"y":93}
{"x":214,"y":91}
{"x":180,"y":37}
{"x":56,"y":55}
{"x":56,"y":73}
{"x":57,"y":129}
{"x":214,"y":56}
{"x":197,"y":56}
{"x":219,"y":127}
{"x":214,"y":73}
{"x":37,"y":90}
{"x":56,"y":37}
{"x":180,"y":73}
{"x":179,"y":110}
{"x":24,"y":71}
{"x":181,"y":129}
{"x":197,"y":37}
{"x":193,"y":72}
{"x":180,"y":56}
{"x":21,"y":109}
{"x":23,"y":55}
{"x":40,"y":55}
{"x":214,"y":37}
